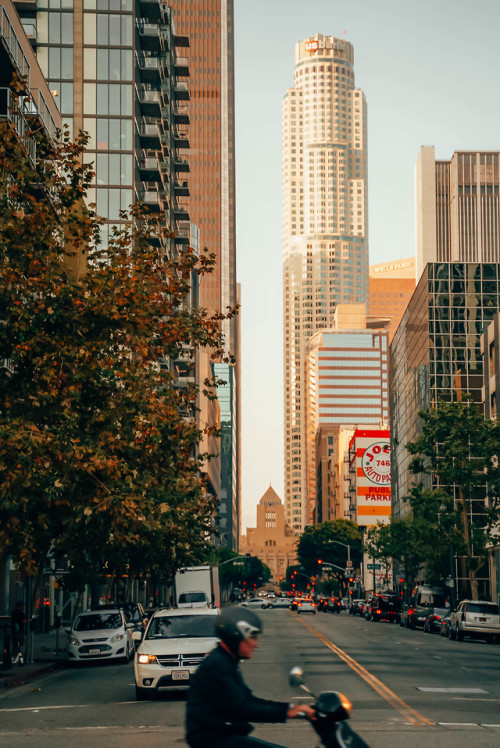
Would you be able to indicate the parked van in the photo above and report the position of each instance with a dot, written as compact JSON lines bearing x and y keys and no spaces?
{"x":421,"y":604}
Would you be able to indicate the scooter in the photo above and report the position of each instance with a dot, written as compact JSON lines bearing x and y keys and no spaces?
{"x":332,"y":711}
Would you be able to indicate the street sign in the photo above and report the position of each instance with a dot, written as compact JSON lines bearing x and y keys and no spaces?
{"x":348,"y":563}
{"x":374,"y":566}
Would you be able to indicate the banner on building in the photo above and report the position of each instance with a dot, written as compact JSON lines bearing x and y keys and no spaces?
{"x":373,"y":477}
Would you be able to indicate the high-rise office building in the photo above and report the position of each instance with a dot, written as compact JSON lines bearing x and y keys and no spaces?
{"x":391,"y":288}
{"x":346,"y":383}
{"x":209,"y":25}
{"x":325,"y":223}
{"x":458,"y":209}
{"x":117,"y":72}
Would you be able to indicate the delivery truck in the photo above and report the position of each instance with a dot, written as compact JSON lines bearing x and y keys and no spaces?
{"x":197,"y":587}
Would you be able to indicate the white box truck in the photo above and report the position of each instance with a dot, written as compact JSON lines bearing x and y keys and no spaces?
{"x":197,"y":587}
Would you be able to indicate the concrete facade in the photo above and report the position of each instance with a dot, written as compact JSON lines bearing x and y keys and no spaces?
{"x":457,"y":207}
{"x":272,"y":541}
{"x":391,"y":288}
{"x":325,"y":223}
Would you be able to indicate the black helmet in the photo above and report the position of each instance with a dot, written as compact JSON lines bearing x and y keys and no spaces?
{"x":236,"y":624}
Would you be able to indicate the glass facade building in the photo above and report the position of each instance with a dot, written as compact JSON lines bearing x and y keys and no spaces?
{"x":117,"y":73}
{"x":436,"y":352}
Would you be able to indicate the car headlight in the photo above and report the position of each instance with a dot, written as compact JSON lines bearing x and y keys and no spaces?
{"x":74,"y":642}
{"x":116,"y":638}
{"x":145,"y":659}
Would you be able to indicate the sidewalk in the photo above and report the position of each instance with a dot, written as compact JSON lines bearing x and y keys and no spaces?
{"x":48,"y":654}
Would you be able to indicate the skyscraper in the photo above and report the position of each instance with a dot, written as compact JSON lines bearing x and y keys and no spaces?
{"x":209,"y":25}
{"x":458,"y":213}
{"x":325,"y":223}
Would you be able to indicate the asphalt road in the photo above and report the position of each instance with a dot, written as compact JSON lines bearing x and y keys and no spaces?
{"x":407,"y":688}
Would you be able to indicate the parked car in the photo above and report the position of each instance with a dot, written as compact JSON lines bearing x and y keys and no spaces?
{"x":306,"y":606}
{"x":433,"y":620}
{"x":478,"y":619}
{"x":444,"y":629}
{"x":175,"y":643}
{"x":256,"y":602}
{"x":295,"y":603}
{"x":100,"y":635}
{"x":385,"y":606}
{"x":356,"y":606}
{"x":421,"y":604}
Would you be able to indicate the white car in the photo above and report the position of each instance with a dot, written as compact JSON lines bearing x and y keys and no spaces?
{"x":100,"y":635}
{"x":175,"y":643}
{"x":256,"y":602}
{"x":306,"y":606}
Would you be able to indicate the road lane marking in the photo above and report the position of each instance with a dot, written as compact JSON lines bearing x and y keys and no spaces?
{"x":393,"y":699}
{"x":431,"y":689}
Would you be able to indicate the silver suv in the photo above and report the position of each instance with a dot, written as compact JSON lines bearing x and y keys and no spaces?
{"x":475,"y":618}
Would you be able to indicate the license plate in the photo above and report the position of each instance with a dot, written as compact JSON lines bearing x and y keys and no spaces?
{"x":94,"y":651}
{"x":180,"y":674}
{"x":483,"y":620}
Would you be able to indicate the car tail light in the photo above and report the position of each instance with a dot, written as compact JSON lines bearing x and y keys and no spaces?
{"x":378,"y":611}
{"x":313,"y":604}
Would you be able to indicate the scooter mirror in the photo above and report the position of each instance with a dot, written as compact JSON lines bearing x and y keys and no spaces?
{"x":296,"y":676}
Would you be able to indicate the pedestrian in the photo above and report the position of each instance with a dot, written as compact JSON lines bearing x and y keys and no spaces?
{"x":220,"y":705}
{"x":18,"y":628}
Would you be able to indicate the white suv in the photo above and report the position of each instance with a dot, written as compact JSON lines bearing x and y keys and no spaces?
{"x":174,"y":644}
{"x":475,"y":618}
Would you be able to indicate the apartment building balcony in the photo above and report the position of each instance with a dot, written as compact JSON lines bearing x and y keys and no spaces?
{"x":151,"y":8}
{"x":181,"y":115}
{"x":181,"y":66}
{"x":37,"y":110}
{"x":149,"y":35}
{"x":152,"y":199}
{"x":149,"y":168}
{"x":181,"y":91}
{"x":182,"y":233}
{"x":181,"y":140}
{"x":150,"y":102}
{"x":181,"y":189}
{"x":26,"y":5}
{"x":149,"y":68}
{"x":30,"y":31}
{"x":181,"y":165}
{"x":181,"y":213}
{"x":12,"y":45}
{"x":149,"y":134}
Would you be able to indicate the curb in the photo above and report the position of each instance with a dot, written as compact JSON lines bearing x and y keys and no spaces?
{"x":24,"y":676}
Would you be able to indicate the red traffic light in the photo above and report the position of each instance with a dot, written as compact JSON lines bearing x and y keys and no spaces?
{"x":351,"y":580}
{"x":320,"y":561}
{"x":401,"y":581}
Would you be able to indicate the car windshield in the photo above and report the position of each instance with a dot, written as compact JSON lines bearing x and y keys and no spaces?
{"x":171,"y":627}
{"x":96,"y":621}
{"x":192,"y":597}
{"x":489,"y":608}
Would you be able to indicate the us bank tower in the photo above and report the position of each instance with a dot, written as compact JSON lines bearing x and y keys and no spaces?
{"x":325,"y":225}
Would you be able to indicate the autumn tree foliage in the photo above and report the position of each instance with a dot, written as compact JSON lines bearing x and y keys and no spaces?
{"x":99,"y":461}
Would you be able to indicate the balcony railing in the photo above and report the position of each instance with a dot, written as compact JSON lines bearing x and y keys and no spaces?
{"x":9,"y":38}
{"x":181,"y":66}
{"x":181,"y":89}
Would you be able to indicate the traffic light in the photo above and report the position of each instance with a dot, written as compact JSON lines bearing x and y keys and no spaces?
{"x":320,"y":561}
{"x":351,"y":580}
{"x":402,"y":581}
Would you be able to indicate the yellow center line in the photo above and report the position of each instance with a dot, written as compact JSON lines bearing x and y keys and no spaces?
{"x":393,"y":699}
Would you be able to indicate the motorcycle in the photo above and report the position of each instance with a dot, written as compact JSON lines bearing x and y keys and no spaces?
{"x":332,"y":711}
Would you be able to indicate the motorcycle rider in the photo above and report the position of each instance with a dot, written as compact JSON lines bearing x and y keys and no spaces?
{"x":220,"y":705}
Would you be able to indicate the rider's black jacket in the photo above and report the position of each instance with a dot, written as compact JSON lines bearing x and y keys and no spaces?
{"x":220,"y":705}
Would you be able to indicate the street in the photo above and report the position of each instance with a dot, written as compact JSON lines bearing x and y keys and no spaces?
{"x":406,"y":687}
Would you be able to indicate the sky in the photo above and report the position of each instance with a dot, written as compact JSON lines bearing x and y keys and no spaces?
{"x":430,"y":71}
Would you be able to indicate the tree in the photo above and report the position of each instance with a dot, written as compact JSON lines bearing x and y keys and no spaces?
{"x":99,"y":444}
{"x":327,"y":542}
{"x":457,"y":496}
{"x":398,"y":541}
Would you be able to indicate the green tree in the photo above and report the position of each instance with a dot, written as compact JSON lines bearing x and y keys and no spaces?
{"x":328,"y":542}
{"x":99,"y":444}
{"x":456,"y":499}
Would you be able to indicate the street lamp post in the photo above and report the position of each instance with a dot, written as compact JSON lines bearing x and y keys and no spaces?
{"x":346,"y":545}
